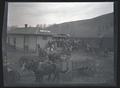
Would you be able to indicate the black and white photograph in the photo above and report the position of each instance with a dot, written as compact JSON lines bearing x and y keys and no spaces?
{"x":59,"y":43}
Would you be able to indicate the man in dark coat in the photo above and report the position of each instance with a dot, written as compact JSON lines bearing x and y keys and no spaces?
{"x":42,"y":53}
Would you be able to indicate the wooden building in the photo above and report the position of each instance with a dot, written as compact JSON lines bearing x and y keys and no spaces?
{"x":28,"y":38}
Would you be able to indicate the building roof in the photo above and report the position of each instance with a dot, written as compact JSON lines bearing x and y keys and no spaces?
{"x":61,"y":35}
{"x":29,"y":31}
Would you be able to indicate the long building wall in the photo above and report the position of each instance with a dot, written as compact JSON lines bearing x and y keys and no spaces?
{"x":30,"y":42}
{"x":20,"y":42}
{"x":42,"y":41}
{"x":11,"y":40}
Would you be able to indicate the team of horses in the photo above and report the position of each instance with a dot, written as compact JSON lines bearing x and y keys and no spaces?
{"x":50,"y":65}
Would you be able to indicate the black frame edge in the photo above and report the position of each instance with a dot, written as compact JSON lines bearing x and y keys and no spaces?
{"x":3,"y":20}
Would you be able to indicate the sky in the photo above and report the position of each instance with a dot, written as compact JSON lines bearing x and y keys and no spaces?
{"x":54,"y":12}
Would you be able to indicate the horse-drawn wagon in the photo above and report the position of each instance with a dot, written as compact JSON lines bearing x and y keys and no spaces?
{"x":52,"y":63}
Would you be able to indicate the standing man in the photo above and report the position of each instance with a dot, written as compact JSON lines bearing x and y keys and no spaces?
{"x":42,"y":53}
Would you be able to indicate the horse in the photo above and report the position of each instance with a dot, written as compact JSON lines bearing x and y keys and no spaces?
{"x":42,"y":68}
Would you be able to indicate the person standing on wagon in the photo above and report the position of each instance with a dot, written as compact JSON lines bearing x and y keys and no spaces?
{"x":42,"y":53}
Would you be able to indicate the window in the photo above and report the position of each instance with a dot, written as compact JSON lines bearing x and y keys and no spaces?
{"x":14,"y":40}
{"x":8,"y":41}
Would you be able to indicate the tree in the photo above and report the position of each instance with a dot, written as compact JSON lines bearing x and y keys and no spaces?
{"x":37,"y":25}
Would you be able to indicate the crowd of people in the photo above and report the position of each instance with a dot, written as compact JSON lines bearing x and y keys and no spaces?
{"x":68,"y":45}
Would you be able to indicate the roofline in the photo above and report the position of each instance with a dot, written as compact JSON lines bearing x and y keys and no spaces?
{"x":31,"y":34}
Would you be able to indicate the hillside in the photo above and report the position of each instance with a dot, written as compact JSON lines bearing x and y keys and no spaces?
{"x":101,"y":26}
